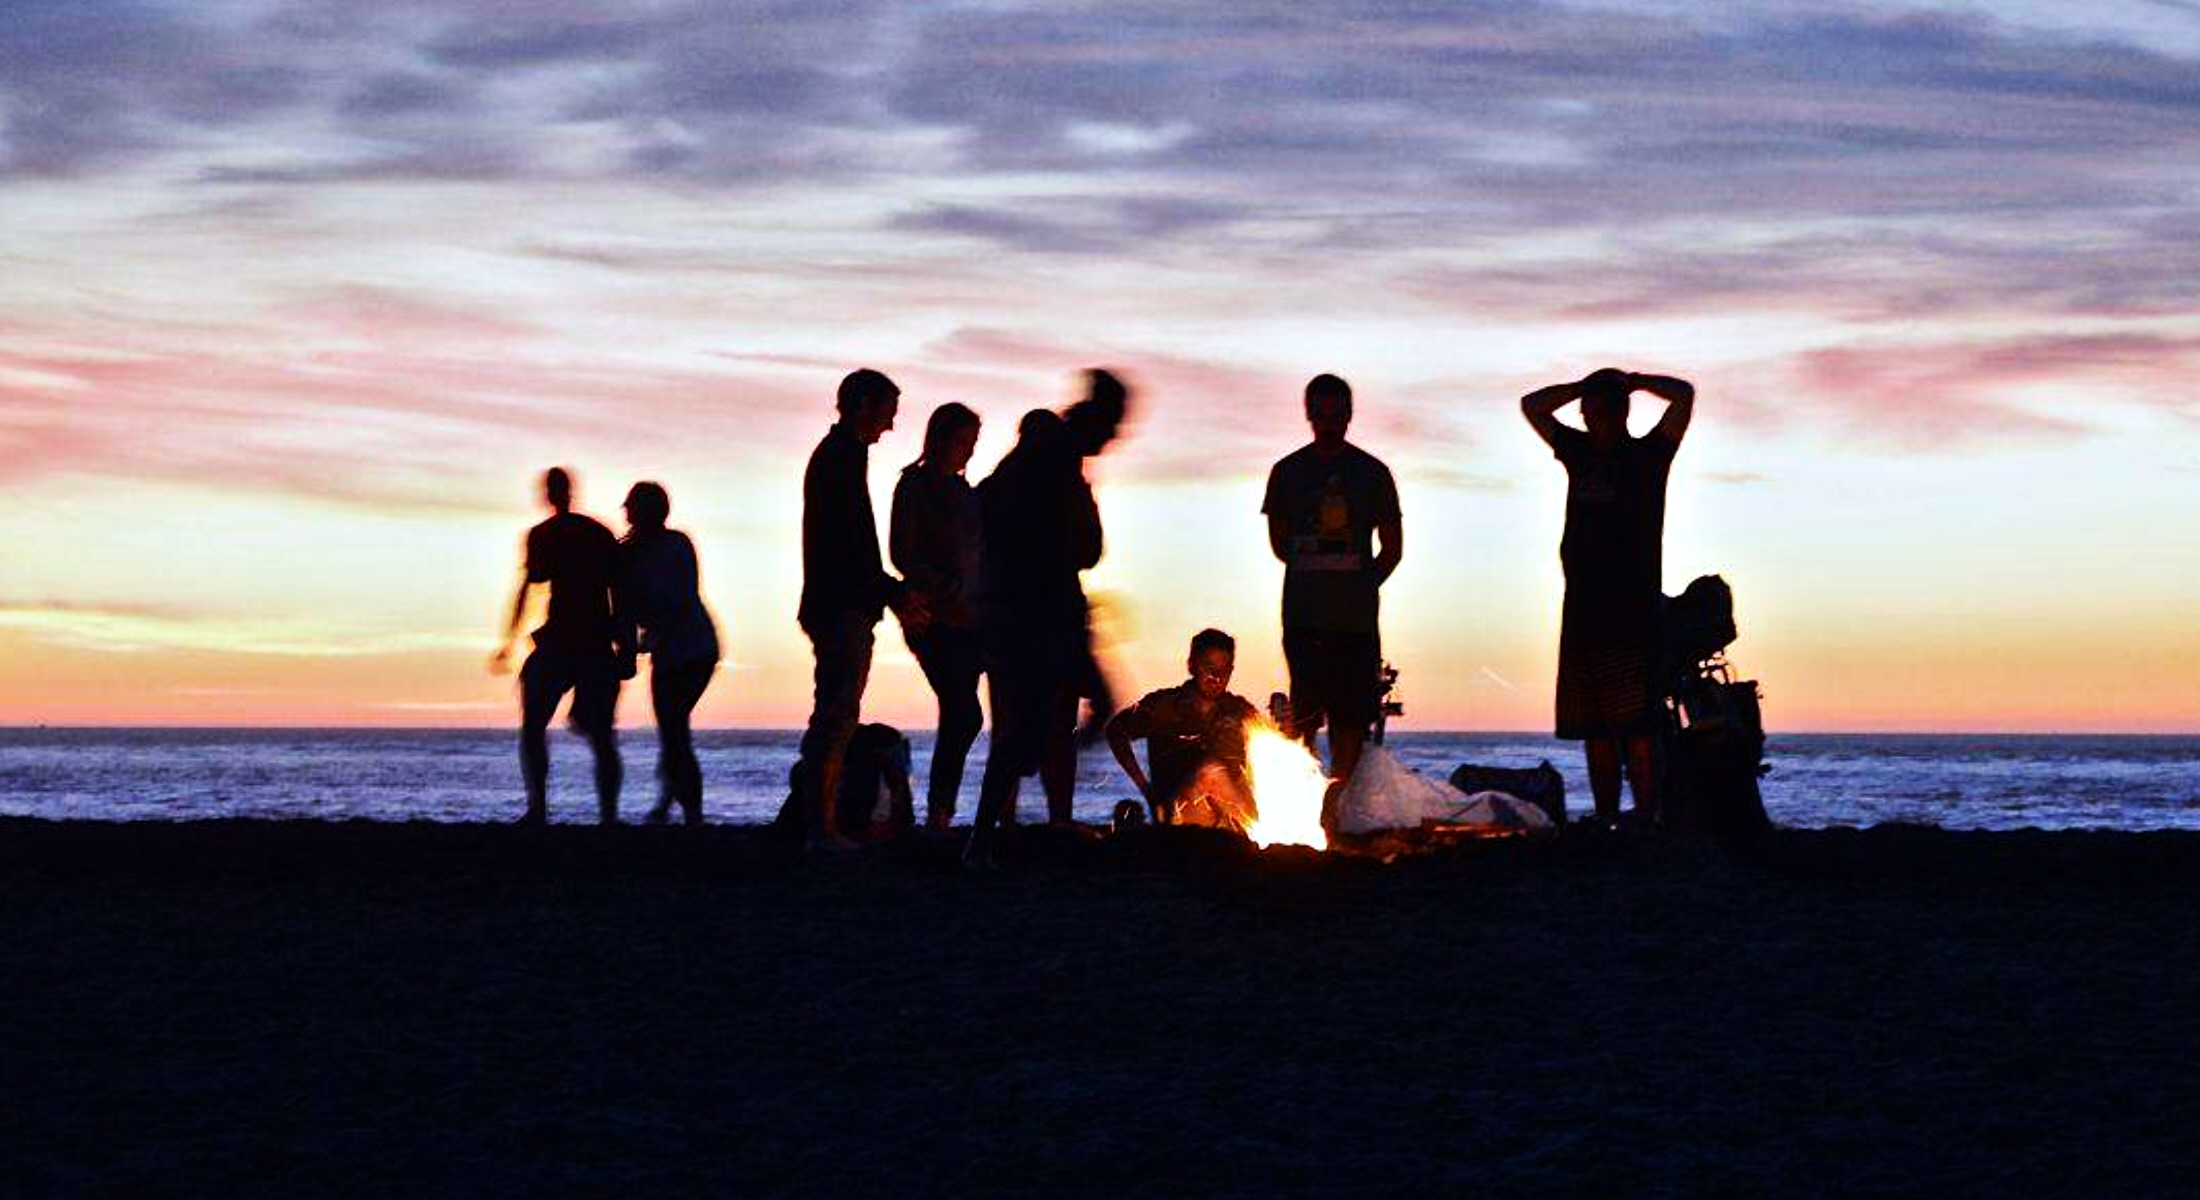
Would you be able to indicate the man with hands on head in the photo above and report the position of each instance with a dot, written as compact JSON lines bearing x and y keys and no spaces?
{"x":1610,"y":678}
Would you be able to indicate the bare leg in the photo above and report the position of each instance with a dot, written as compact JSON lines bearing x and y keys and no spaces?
{"x":1344,"y":750}
{"x":534,"y":768}
{"x":824,"y":806}
{"x":1604,"y":776}
{"x":538,"y":703}
{"x":1642,"y":777}
{"x":996,"y":794}
{"x":610,"y":773}
{"x":1058,"y":767}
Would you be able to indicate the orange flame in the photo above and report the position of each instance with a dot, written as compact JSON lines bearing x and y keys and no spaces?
{"x":1288,"y":786}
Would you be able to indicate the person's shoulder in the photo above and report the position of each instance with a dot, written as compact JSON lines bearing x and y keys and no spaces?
{"x":1159,"y":697}
{"x":1359,"y":458}
{"x":1296,"y":460}
{"x":1240,"y":706}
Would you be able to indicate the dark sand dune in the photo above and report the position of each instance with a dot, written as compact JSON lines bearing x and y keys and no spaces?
{"x":245,"y":1010}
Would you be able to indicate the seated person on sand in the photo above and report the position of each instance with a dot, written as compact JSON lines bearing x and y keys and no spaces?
{"x":1195,"y":741}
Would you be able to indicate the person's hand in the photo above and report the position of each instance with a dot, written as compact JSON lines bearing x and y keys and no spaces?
{"x":629,"y":664}
{"x":500,"y":663}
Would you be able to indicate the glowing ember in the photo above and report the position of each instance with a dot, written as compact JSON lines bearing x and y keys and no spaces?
{"x":1288,"y":786}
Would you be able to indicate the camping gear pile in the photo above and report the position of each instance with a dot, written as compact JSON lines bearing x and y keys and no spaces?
{"x":1385,"y":795}
{"x":1715,"y":736}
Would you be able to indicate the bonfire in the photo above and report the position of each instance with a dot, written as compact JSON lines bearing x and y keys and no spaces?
{"x":1288,"y":786}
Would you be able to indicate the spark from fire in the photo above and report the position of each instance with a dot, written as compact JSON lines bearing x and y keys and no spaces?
{"x":1288,"y":786}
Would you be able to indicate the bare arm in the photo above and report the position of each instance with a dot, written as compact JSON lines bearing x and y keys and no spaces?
{"x":1279,"y":537}
{"x":1119,"y":740}
{"x":501,"y":661}
{"x":1541,"y":408}
{"x":1392,"y":535}
{"x":1680,"y":403}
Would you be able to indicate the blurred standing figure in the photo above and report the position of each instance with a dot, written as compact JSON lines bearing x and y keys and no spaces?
{"x":660,"y":591}
{"x":1609,"y":692}
{"x":933,"y":538}
{"x":1328,"y":505}
{"x":583,"y":647}
{"x":844,"y":588}
{"x":1041,"y":528}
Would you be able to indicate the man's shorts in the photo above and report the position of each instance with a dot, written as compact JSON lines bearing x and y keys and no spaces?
{"x":1335,"y":678}
{"x":551,"y":672}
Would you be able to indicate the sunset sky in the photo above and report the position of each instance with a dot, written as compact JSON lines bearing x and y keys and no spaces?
{"x":298,"y":297}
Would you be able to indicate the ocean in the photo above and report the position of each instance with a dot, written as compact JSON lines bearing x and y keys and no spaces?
{"x":1818,"y":780}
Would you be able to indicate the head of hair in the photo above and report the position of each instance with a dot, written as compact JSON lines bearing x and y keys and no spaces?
{"x":1095,"y":420}
{"x":863,"y":388}
{"x":1331,"y":387}
{"x":946,"y":423}
{"x":1036,"y":422}
{"x":1605,"y":390}
{"x":1213,"y":639}
{"x":557,"y":487}
{"x":647,"y":506}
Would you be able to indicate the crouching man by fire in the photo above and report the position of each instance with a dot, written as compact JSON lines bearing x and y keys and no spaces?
{"x":1195,"y":742}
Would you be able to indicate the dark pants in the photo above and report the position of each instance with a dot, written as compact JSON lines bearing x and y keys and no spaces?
{"x":593,"y":679}
{"x":1027,"y":666}
{"x":1336,"y":679}
{"x":674,"y":690}
{"x":952,"y":661}
{"x":842,"y":645}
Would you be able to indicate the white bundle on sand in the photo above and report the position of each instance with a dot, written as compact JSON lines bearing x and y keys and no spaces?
{"x":1385,"y":794}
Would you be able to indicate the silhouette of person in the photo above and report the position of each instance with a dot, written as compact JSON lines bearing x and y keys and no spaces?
{"x":582,"y":647}
{"x":1609,"y":693}
{"x":660,"y":591}
{"x":1041,"y":528}
{"x":845,"y":589}
{"x":874,"y":802}
{"x":1195,"y":742}
{"x":933,"y":539}
{"x":1329,"y":504}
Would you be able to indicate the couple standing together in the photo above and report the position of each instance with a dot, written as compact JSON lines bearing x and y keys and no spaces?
{"x":611,"y":600}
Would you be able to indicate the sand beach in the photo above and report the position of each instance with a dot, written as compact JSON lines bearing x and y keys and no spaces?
{"x":302,"y":1009}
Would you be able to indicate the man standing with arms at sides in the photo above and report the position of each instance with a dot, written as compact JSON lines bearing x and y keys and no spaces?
{"x":845,"y":589}
{"x":1610,"y":679}
{"x":581,"y":648}
{"x":1328,"y":504}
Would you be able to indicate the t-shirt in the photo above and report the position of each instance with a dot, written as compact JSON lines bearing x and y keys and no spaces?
{"x":659,"y":591}
{"x":1179,"y":738}
{"x":933,"y":537}
{"x":1039,"y":528}
{"x":1331,"y":506}
{"x":1615,"y":509}
{"x":841,"y":574}
{"x":577,"y":557}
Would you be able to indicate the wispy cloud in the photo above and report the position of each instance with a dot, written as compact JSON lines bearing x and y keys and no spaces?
{"x":132,"y":629}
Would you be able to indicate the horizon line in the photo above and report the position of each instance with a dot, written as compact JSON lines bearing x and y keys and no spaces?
{"x":796,"y":730}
